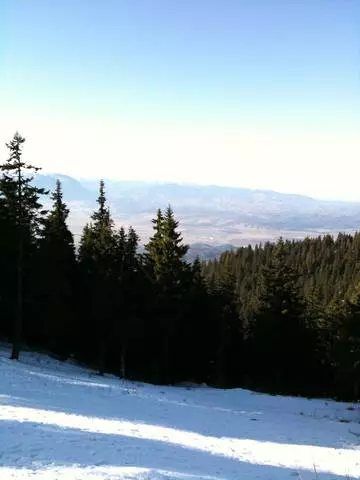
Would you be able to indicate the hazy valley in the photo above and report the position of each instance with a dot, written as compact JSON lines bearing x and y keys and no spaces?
{"x":212,"y":218}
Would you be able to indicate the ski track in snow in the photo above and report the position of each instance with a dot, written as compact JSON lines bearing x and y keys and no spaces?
{"x":62,"y":421}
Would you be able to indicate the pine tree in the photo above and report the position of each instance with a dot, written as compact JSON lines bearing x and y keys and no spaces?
{"x":277,"y":334}
{"x":8,"y":255}
{"x":229,"y":331}
{"x":126,"y":271}
{"x":56,"y":272}
{"x":318,"y":348}
{"x":154,"y":249}
{"x":132,"y":245}
{"x":199,"y":328}
{"x":22,"y":200}
{"x":96,"y":256}
{"x":165,"y":262}
{"x":166,"y":251}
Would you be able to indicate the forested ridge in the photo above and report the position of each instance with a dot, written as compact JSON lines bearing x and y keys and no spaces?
{"x":283,"y":318}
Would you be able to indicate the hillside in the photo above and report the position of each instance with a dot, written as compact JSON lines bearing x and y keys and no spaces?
{"x":61,"y":421}
{"x":211,"y":215}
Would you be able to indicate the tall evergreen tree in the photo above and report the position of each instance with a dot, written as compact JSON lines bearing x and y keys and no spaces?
{"x":198,"y":329}
{"x":126,"y":297}
{"x":165,"y":261}
{"x":8,"y":254}
{"x":22,"y":200}
{"x":96,"y":256}
{"x":56,"y":279}
{"x":277,"y":334}
{"x":229,"y":330}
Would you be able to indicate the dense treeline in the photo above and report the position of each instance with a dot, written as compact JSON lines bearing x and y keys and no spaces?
{"x":281,"y":317}
{"x":298,"y":303}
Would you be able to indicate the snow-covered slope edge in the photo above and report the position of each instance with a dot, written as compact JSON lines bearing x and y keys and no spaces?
{"x":58,"y":420}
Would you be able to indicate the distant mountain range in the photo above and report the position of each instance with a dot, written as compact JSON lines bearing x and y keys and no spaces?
{"x":212,"y":218}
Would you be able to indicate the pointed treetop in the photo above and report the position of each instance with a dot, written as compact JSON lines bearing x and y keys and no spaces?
{"x":16,"y":142}
{"x":101,"y":217}
{"x":14,"y":161}
{"x":60,"y":209}
{"x":101,"y":198}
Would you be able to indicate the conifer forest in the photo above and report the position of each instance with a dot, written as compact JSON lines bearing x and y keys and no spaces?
{"x":280,"y":318}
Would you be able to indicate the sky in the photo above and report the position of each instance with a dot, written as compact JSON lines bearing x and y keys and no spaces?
{"x":251,"y":93}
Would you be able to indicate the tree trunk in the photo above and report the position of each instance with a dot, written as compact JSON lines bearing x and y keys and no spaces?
{"x":19,"y":306}
{"x":356,"y":390}
{"x":122,"y":361}
{"x":166,"y":367}
{"x":101,"y":361}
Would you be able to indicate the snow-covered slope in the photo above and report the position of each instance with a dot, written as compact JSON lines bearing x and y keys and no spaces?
{"x":60,"y":421}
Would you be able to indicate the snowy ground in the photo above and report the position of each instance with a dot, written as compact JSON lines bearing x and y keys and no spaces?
{"x":60,"y":421}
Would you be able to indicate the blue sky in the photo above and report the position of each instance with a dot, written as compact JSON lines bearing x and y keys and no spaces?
{"x":258,"y":93}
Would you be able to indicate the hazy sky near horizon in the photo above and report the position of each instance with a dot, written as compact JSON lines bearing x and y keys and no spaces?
{"x":253,"y":93}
